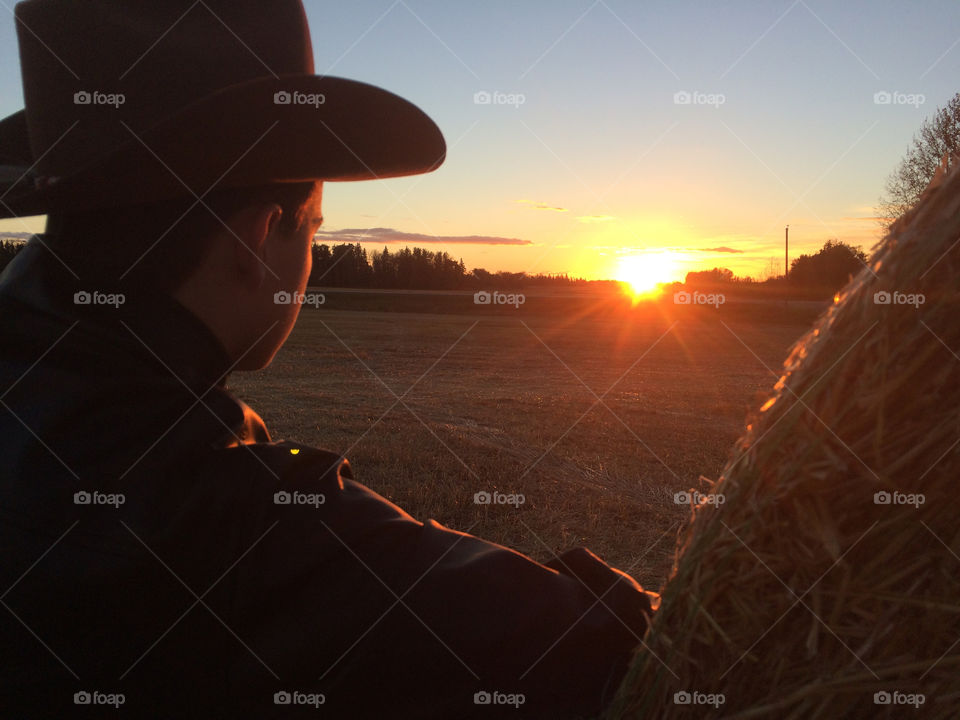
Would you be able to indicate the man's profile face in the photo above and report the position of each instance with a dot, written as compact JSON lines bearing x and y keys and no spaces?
{"x":287,"y":259}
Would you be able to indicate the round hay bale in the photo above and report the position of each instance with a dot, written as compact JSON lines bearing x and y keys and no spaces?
{"x":827,"y":584}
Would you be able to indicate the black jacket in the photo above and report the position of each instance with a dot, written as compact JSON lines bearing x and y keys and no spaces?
{"x":147,"y":557}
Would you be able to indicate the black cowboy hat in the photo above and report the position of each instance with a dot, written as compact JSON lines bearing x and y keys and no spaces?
{"x":129,"y":103}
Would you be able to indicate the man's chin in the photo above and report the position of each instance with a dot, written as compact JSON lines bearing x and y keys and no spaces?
{"x":249,"y":364}
{"x":258,"y":358}
{"x":262,"y":352}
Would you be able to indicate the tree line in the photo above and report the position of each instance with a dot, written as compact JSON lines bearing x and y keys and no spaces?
{"x":830,"y":268}
{"x":415,"y":268}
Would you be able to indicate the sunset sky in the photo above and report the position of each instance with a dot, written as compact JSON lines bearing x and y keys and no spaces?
{"x":599,"y":162}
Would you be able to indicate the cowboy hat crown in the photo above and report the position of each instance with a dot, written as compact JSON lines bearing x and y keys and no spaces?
{"x":129,"y":103}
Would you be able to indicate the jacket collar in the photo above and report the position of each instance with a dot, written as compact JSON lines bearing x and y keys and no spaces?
{"x":166,"y":335}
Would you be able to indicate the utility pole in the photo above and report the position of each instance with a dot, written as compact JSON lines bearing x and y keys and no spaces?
{"x":786,"y":252}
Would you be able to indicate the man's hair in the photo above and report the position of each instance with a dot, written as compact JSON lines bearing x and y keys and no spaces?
{"x":159,"y":246}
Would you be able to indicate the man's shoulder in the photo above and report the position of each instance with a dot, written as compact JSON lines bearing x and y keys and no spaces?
{"x":273,"y":474}
{"x":282,"y":460}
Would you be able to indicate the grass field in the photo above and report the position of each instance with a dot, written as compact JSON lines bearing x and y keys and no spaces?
{"x":596,"y":417}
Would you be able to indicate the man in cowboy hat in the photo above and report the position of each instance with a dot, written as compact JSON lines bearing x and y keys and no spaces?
{"x":159,"y":552}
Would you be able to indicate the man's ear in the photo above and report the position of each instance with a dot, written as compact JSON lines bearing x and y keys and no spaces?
{"x":252,"y":228}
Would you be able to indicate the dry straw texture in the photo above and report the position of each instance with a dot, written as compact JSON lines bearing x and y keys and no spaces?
{"x":804,"y":594}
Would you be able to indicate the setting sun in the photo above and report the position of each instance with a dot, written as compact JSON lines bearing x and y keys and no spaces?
{"x":644,"y":273}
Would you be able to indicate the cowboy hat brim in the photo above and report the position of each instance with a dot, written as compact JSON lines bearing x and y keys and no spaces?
{"x":273,"y":129}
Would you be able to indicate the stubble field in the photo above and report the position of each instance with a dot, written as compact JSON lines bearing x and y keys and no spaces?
{"x":597,"y":418}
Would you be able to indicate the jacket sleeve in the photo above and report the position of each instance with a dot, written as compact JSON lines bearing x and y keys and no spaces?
{"x":349,"y":596}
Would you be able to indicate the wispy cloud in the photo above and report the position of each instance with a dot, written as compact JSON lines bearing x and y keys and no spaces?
{"x":389,"y":235}
{"x":541,"y":206}
{"x":721,"y":249}
{"x":595,"y":218}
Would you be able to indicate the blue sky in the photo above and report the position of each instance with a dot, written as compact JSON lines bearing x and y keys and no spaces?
{"x":599,"y":162}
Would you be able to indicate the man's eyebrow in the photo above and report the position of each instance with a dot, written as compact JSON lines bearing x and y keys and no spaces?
{"x":318,"y":220}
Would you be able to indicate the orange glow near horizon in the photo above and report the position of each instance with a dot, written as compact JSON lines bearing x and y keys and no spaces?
{"x":645,"y":274}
